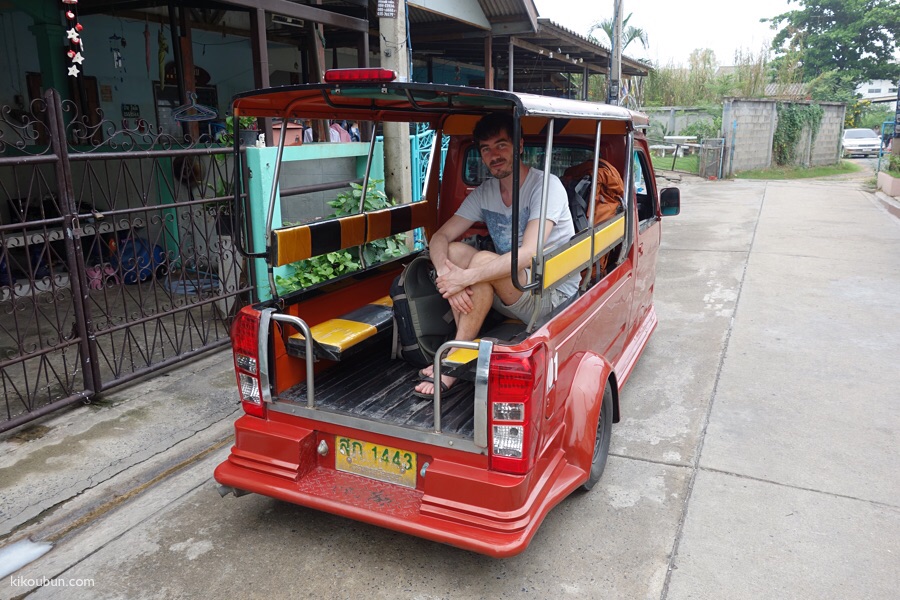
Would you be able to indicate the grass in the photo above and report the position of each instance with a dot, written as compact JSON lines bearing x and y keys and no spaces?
{"x":841,"y":168}
{"x":688,"y":164}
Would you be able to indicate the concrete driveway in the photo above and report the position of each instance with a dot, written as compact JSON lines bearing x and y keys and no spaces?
{"x":757,"y":455}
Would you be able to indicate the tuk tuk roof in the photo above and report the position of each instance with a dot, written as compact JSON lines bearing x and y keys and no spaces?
{"x":417,"y":102}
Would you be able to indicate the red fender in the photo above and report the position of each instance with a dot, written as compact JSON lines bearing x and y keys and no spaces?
{"x":583,"y":409}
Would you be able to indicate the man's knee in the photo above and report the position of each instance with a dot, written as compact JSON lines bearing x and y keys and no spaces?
{"x":460,"y":254}
{"x":481,"y":257}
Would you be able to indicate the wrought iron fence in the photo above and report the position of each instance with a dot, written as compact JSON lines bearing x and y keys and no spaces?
{"x":116,"y":255}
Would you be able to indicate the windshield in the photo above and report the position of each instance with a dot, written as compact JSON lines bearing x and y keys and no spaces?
{"x":855,"y":134}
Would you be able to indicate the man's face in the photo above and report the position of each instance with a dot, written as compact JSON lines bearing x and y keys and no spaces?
{"x":497,"y":154}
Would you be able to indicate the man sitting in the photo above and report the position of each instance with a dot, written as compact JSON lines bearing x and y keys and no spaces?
{"x":473,"y":281}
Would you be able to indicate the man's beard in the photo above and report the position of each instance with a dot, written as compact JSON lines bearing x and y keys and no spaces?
{"x":501,"y":171}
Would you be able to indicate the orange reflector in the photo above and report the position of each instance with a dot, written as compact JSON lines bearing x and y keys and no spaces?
{"x":373,"y":74}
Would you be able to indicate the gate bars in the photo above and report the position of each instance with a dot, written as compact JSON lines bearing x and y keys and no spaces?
{"x":116,"y":255}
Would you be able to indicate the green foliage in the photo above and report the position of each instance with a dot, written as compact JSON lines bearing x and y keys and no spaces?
{"x":893,"y":165}
{"x":334,"y":264}
{"x":704,"y":129}
{"x":629,"y":32}
{"x":791,"y":120}
{"x":316,"y":270}
{"x":864,"y":114}
{"x":856,"y":38}
{"x":347,"y":202}
{"x":843,"y":167}
{"x":244,"y":122}
{"x":701,"y":83}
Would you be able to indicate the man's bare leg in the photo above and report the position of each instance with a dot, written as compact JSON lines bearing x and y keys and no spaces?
{"x":468,"y":325}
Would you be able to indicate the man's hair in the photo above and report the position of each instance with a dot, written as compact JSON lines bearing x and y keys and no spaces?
{"x":493,"y":124}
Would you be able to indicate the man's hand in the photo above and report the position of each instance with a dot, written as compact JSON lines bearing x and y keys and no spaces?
{"x":454,"y":286}
{"x":453,"y":281}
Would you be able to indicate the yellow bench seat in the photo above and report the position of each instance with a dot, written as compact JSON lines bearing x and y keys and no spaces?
{"x":338,"y":338}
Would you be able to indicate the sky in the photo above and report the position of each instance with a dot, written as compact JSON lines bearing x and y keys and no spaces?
{"x":675,"y":28}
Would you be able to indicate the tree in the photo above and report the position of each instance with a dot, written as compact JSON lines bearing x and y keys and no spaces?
{"x":629,"y":32}
{"x":856,"y":38}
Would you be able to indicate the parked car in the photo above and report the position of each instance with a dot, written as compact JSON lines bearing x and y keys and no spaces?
{"x":860,"y":141}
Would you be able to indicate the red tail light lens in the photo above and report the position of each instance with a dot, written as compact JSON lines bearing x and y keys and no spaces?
{"x":514,"y":398}
{"x":359,"y":75}
{"x":245,"y":345}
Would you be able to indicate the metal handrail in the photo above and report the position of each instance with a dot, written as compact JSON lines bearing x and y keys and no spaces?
{"x":484,"y":348}
{"x":301,"y":325}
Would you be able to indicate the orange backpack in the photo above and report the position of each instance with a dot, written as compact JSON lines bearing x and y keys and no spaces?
{"x":607,"y":202}
{"x":610,"y":187}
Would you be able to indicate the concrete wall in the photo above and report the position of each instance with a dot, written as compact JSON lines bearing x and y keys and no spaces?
{"x":827,"y":149}
{"x":671,"y":120}
{"x":749,"y":128}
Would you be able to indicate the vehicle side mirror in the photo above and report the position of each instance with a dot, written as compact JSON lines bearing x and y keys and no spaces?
{"x":670,"y":202}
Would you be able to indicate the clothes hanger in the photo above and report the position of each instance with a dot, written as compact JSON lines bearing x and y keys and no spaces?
{"x":194,"y":112}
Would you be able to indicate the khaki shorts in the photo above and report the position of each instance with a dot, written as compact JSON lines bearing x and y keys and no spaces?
{"x":523,"y":308}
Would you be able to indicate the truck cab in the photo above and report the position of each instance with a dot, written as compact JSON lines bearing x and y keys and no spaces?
{"x":330,"y":418}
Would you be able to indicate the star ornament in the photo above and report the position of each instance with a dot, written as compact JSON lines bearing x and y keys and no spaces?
{"x":78,"y":58}
{"x":72,"y":35}
{"x":73,"y":71}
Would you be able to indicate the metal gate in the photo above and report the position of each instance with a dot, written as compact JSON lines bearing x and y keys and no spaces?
{"x":116,"y":254}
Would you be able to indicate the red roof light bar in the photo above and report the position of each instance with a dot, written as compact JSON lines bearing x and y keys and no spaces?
{"x":375,"y":75}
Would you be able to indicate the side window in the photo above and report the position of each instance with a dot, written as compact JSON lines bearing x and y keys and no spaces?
{"x":643,"y":189}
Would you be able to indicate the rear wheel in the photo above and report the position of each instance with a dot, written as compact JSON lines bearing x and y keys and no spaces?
{"x":601,"y":442}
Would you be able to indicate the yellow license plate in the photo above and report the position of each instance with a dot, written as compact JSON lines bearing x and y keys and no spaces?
{"x":376,"y":462}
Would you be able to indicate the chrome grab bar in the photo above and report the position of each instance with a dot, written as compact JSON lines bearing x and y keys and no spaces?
{"x":484,"y":348}
{"x":301,"y":325}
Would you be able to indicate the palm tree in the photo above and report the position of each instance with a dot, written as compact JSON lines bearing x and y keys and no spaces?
{"x":629,"y":33}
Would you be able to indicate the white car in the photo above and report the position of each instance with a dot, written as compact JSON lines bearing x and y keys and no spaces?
{"x":860,"y":141}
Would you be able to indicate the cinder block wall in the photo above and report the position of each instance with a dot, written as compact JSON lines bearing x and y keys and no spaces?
{"x":827,"y":148}
{"x":749,"y":126}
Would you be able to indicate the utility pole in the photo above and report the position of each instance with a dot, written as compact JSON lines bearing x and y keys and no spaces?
{"x":895,"y":143}
{"x":395,"y":56}
{"x":615,"y":69}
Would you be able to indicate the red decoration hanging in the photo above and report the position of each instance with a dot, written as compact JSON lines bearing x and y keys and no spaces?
{"x":75,"y":42}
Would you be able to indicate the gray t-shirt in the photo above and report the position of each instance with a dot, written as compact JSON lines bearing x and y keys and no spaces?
{"x":485,"y":204}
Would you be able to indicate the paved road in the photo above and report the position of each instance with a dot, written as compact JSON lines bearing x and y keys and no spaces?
{"x":756,"y":458}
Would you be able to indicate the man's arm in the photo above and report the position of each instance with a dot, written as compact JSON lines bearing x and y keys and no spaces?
{"x":440,"y":242}
{"x":457,"y":279}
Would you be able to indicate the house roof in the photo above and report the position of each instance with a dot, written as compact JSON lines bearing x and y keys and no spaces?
{"x":792,"y":91}
{"x":543,"y":52}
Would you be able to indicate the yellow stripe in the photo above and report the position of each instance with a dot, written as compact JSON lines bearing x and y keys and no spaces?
{"x":386,"y":301}
{"x":577,"y":256}
{"x":460,"y":356}
{"x":609,"y":236}
{"x":293,"y":244}
{"x":339,"y":333}
{"x":353,"y":230}
{"x":567,"y":261}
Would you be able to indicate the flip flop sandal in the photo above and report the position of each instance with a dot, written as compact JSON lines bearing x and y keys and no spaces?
{"x":444,"y":389}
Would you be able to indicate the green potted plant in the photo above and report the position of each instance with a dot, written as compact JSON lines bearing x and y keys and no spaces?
{"x":248,"y":131}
